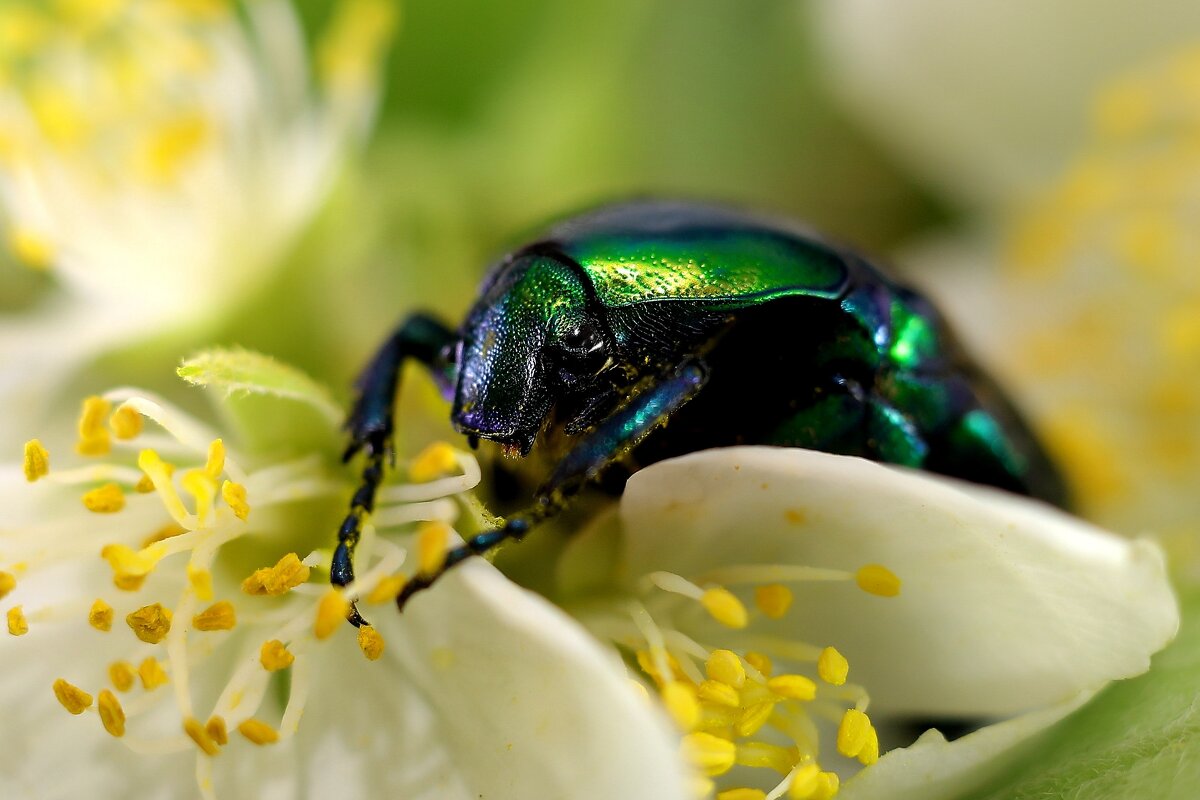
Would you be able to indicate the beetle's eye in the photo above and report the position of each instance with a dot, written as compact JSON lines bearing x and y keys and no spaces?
{"x":580,"y":351}
{"x":582,"y":339}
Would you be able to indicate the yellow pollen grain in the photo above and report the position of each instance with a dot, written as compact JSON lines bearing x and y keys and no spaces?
{"x":93,"y":436}
{"x":73,"y":698}
{"x":434,"y":461}
{"x":274,"y":656}
{"x":121,"y":675}
{"x":112,"y":716}
{"x":217,"y":730}
{"x":773,"y":600}
{"x":869,"y":753}
{"x":370,"y":642}
{"x":193,"y":728}
{"x":288,"y":573}
{"x":201,"y":581}
{"x":126,"y":423}
{"x":387,"y":589}
{"x":723,"y":606}
{"x":331,"y":612}
{"x":106,"y":499}
{"x":721,"y":694}
{"x":220,"y":616}
{"x":726,"y":667}
{"x":711,"y":754}
{"x":152,"y":674}
{"x":832,"y":667}
{"x":433,"y":538}
{"x":215,"y":464}
{"x":853,"y":732}
{"x":761,"y":662}
{"x":234,"y":495}
{"x":753,"y":718}
{"x":805,"y":781}
{"x":8,"y":582}
{"x":17,"y":624}
{"x":150,"y":623}
{"x":37,"y":460}
{"x":258,"y":731}
{"x":793,"y":687}
{"x":100,"y":616}
{"x":681,"y":703}
{"x":742,"y":794}
{"x":878,"y":580}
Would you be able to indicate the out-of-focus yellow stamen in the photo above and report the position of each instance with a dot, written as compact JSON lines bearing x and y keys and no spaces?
{"x":234,"y":495}
{"x":288,"y":573}
{"x":878,"y":580}
{"x":370,"y":642}
{"x":764,"y":754}
{"x":827,"y":786}
{"x":152,"y":674}
{"x":853,"y":732}
{"x":793,"y":687}
{"x":130,"y":563}
{"x":774,"y":600}
{"x":761,"y":662}
{"x":122,"y":675}
{"x":387,"y":590}
{"x":723,"y":606}
{"x":159,"y":473}
{"x":150,"y":623}
{"x":331,"y":612}
{"x":144,"y":485}
{"x":726,"y":667}
{"x":198,"y":734}
{"x":869,"y":753}
{"x":215,"y":464}
{"x":220,"y":616}
{"x":201,"y":581}
{"x":106,"y":499}
{"x":275,"y":656}
{"x":100,"y":616}
{"x":258,"y":731}
{"x":217,"y":730}
{"x":353,"y":46}
{"x":37,"y":460}
{"x":682,"y":705}
{"x":434,"y":461}
{"x":17,"y":624}
{"x":73,"y":698}
{"x":805,"y":781}
{"x":126,"y":423}
{"x":112,"y":716}
{"x":711,"y":754}
{"x":31,"y":248}
{"x":753,"y":718}
{"x":8,"y":582}
{"x":202,"y":486}
{"x":742,"y":794}
{"x":718,"y":693}
{"x":433,"y":538}
{"x":832,"y":667}
{"x":93,"y":436}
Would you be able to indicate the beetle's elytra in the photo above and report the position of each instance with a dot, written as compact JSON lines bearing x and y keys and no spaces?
{"x":647,"y":330}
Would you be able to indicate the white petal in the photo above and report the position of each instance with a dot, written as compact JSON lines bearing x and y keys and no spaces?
{"x":933,"y":769}
{"x":1007,"y":604}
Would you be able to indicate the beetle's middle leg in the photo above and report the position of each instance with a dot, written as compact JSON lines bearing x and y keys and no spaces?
{"x":370,"y":425}
{"x":608,"y":441}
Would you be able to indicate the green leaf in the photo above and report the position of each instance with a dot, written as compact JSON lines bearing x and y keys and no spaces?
{"x":245,"y":371}
{"x":1138,"y":739}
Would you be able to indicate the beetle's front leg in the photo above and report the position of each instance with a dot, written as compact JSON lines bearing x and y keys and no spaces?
{"x":370,"y":425}
{"x":608,"y":441}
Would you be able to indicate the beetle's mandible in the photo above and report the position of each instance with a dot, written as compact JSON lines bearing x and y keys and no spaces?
{"x":647,"y":330}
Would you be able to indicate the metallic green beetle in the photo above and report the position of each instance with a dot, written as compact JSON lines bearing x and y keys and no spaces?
{"x":716,"y":326}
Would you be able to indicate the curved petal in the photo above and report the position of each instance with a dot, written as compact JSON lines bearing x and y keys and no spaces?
{"x":1007,"y":604}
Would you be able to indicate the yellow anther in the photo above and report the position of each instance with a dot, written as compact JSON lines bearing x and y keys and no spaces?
{"x":219,"y":616}
{"x":73,"y":698}
{"x":122,"y":675}
{"x":721,"y":694}
{"x":753,"y":718}
{"x":201,"y":581}
{"x":832,"y":667}
{"x":159,"y":473}
{"x":8,"y":582}
{"x":723,"y":606}
{"x":773,"y":600}
{"x":331,"y":612}
{"x":93,"y":436}
{"x":433,"y":538}
{"x":827,"y":786}
{"x":129,"y":583}
{"x":764,"y":754}
{"x":168,"y":531}
{"x":741,"y":794}
{"x":144,"y":485}
{"x":853,"y":732}
{"x":370,"y":642}
{"x":711,"y":754}
{"x":805,"y":782}
{"x":761,"y":662}
{"x":434,"y":461}
{"x":682,"y":705}
{"x":215,"y":464}
{"x":106,"y":499}
{"x":870,"y":750}
{"x":112,"y":716}
{"x":387,"y":589}
{"x":150,"y":623}
{"x":275,"y":656}
{"x":288,"y":573}
{"x":125,"y":561}
{"x":100,"y":616}
{"x":17,"y":624}
{"x":726,"y":667}
{"x":700,"y":786}
{"x":878,"y":580}
{"x":152,"y":674}
{"x":125,"y":422}
{"x":217,"y":730}
{"x":193,"y":728}
{"x":202,"y":486}
{"x":258,"y":731}
{"x":234,"y":495}
{"x":793,"y":687}
{"x":37,"y":460}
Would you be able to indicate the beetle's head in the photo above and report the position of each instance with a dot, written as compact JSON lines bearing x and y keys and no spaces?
{"x":534,"y":336}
